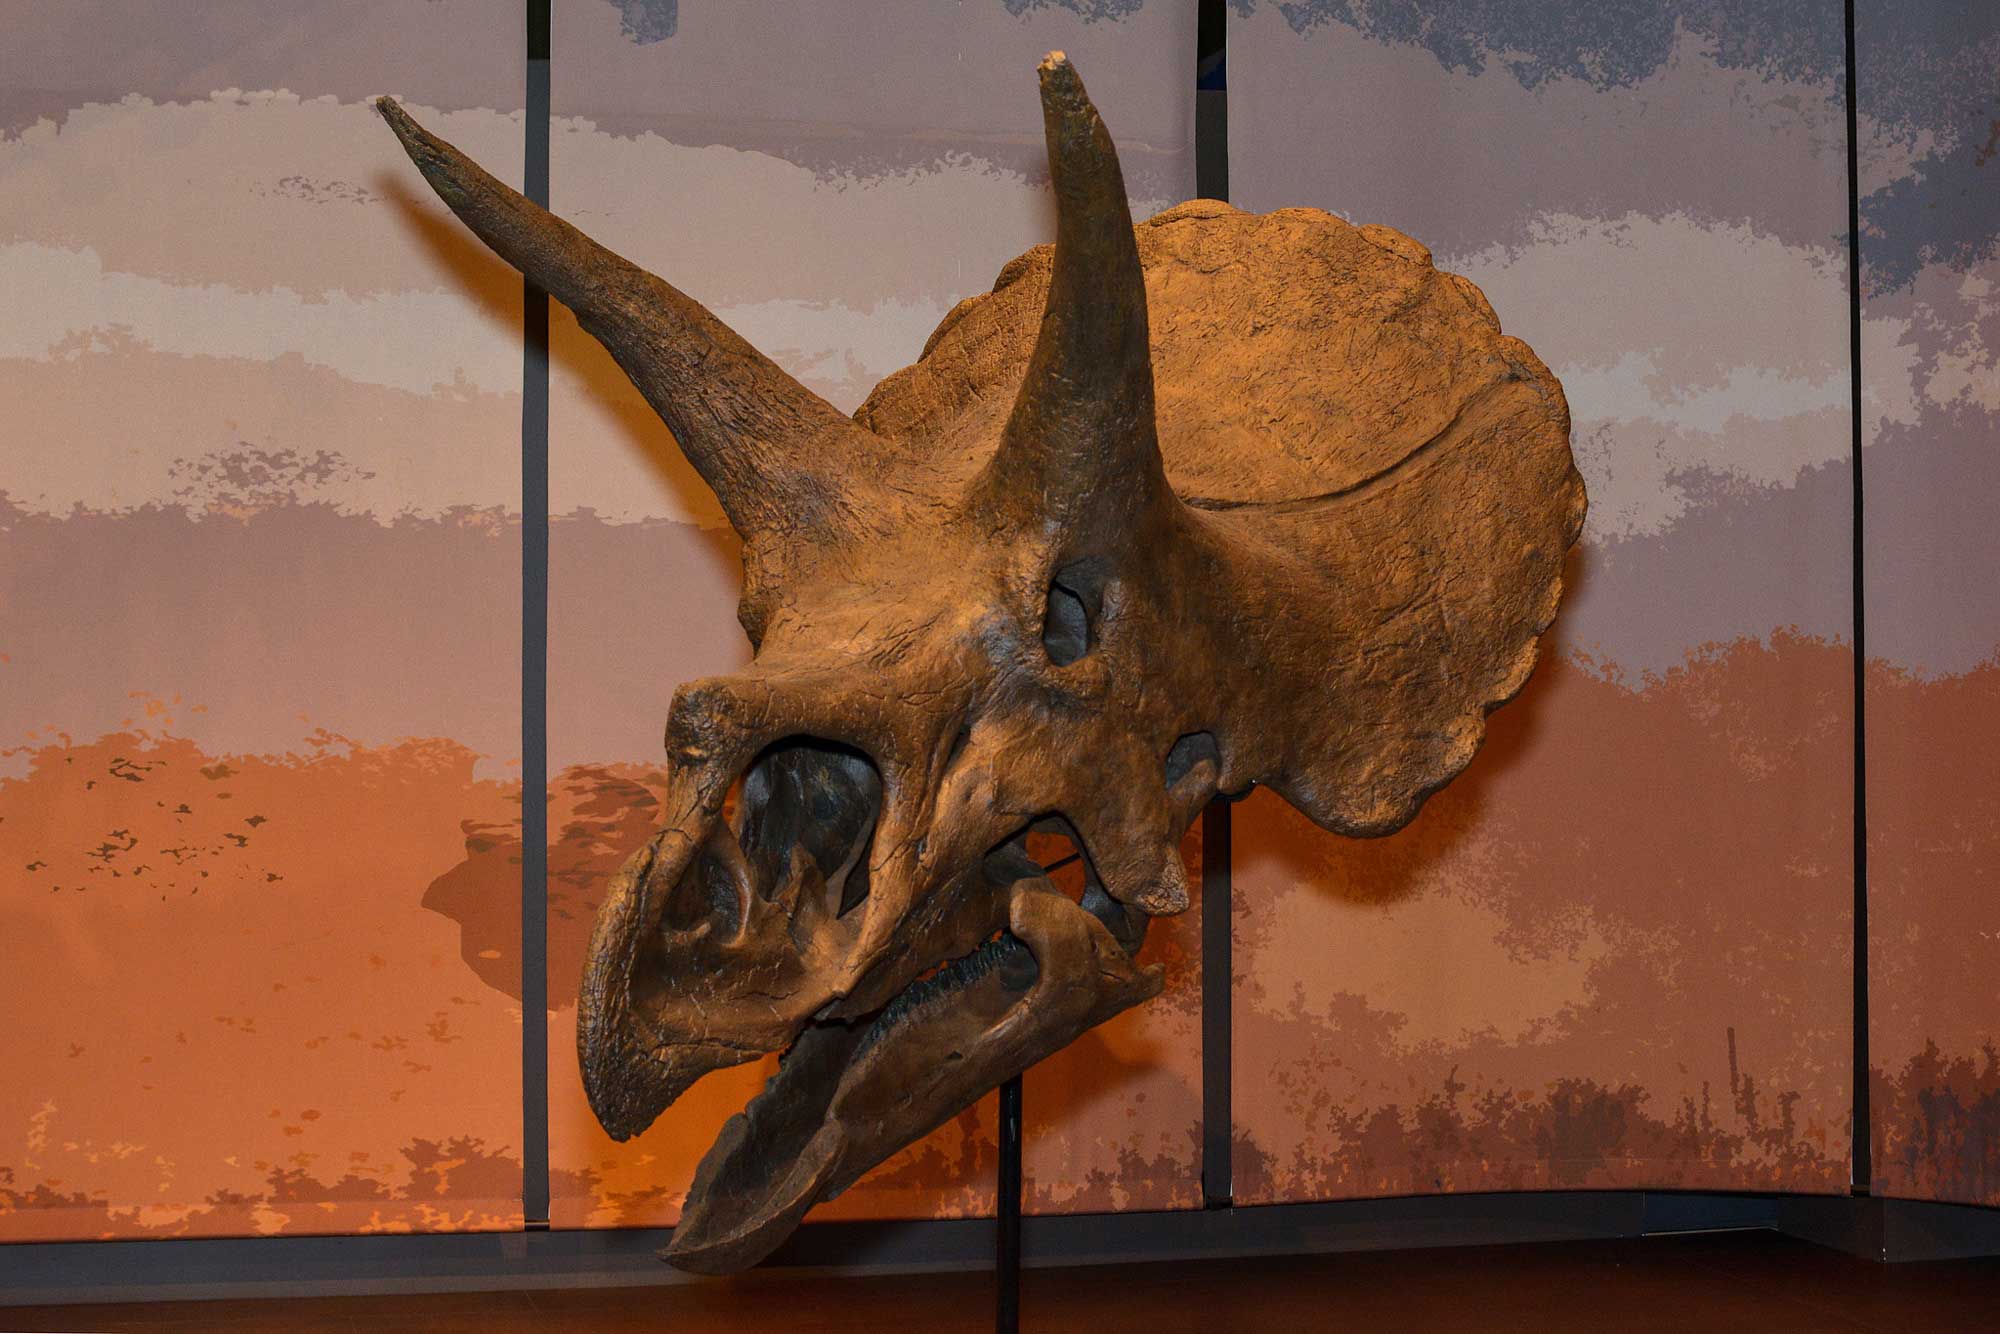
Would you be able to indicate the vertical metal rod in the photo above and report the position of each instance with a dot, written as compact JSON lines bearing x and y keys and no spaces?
{"x":1218,"y":1188}
{"x":1007,"y":1239}
{"x":535,"y":656}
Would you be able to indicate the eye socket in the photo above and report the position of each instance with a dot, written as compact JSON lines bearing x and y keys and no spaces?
{"x":1065,"y":626}
{"x":1069,"y":616}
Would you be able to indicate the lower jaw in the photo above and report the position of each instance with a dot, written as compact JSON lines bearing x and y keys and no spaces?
{"x":847,"y":1096}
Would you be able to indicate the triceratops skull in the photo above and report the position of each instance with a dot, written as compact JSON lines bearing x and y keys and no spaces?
{"x":1070,"y":570}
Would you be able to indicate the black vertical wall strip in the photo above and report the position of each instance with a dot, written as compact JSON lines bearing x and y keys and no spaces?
{"x":535,"y":658}
{"x":1863,"y":1170}
{"x":1217,"y":900}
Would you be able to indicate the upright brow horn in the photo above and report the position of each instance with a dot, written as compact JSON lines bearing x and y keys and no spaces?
{"x":1081,"y":437}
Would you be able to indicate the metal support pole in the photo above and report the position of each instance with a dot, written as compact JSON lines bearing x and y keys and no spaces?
{"x":1007,"y":1240}
{"x":1218,"y":1190}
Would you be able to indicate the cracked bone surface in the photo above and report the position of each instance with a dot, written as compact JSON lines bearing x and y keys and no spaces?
{"x":1224,"y":499}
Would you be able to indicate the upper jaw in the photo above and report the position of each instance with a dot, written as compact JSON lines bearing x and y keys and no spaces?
{"x":722,"y":938}
{"x":711,"y":944}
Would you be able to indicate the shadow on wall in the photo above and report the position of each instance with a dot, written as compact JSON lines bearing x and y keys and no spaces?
{"x":475,"y":272}
{"x":599,"y":815}
{"x":1385,"y":871}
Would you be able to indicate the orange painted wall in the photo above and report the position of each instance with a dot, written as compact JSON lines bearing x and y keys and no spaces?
{"x":259,"y":550}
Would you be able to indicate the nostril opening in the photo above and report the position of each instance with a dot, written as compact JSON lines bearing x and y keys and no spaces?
{"x":1188,"y":753}
{"x":819,"y":795}
{"x":692,"y":901}
{"x":711,"y":892}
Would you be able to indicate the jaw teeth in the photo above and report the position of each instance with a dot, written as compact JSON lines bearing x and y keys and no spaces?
{"x":959,"y":972}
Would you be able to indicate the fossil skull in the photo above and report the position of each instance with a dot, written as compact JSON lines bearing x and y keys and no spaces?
{"x":1075,"y":569}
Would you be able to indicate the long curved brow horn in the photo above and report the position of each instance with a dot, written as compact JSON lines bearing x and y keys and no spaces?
{"x":1081,"y":440}
{"x":773,"y":450}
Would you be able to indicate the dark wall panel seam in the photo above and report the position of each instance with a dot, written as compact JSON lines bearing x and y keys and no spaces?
{"x":1862,"y":1171}
{"x":535,"y":655}
{"x":1217,"y":897}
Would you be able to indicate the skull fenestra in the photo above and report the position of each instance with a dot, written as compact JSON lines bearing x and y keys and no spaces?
{"x":1220,"y":500}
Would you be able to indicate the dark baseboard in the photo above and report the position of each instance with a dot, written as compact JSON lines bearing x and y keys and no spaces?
{"x":169,"y":1270}
{"x":1892,"y":1231}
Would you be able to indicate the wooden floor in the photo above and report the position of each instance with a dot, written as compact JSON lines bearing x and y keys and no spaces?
{"x":1749,"y":1281}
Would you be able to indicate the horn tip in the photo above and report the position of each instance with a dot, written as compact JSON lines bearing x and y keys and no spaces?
{"x":431,"y":156}
{"x":1062,"y":87}
{"x":400,"y":121}
{"x":1059,"y":77}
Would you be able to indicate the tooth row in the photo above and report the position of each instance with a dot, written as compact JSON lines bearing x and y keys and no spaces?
{"x":959,"y":972}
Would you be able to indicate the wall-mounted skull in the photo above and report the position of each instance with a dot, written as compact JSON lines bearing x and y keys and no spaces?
{"x":1076,"y":568}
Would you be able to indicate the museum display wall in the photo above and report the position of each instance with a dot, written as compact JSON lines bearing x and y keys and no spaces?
{"x":1617,"y":952}
{"x":1930,"y":302}
{"x":260,"y":791}
{"x":262,"y":626}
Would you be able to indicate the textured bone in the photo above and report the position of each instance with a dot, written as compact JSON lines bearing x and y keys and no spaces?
{"x":1221,"y":500}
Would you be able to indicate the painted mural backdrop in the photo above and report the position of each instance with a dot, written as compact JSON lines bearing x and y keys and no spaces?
{"x":1617,"y":952}
{"x":1930,"y":212}
{"x":258,"y":624}
{"x":259,"y":794}
{"x":830,"y":179}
